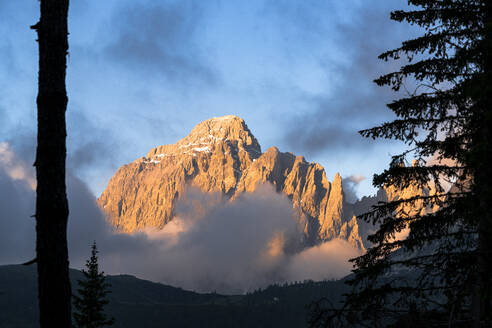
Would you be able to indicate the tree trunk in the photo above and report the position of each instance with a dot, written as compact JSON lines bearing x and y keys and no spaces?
{"x":51,"y":198}
{"x":482,"y":181}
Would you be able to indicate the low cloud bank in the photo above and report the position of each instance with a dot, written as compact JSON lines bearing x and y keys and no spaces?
{"x":328,"y":260}
{"x":212,"y":244}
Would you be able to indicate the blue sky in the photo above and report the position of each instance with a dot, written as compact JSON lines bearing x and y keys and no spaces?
{"x":142,"y":73}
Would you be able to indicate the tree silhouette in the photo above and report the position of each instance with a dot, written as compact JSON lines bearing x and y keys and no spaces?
{"x":51,"y":199}
{"x":440,"y":274}
{"x":91,"y":299}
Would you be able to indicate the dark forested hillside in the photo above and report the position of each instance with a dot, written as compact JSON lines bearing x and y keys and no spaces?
{"x":140,"y":303}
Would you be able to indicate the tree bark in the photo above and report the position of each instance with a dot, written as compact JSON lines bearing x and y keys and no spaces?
{"x":51,"y":198}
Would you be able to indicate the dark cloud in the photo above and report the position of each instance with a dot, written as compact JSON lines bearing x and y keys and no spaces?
{"x":159,"y":40}
{"x":212,"y":244}
{"x":307,"y":19}
{"x":332,"y":120}
{"x":16,"y":208}
{"x":311,"y":137}
{"x":89,"y":144}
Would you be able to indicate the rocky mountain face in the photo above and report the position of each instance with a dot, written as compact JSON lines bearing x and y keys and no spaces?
{"x":389,"y":194}
{"x":222,"y":155}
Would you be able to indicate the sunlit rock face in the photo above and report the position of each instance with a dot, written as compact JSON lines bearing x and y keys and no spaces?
{"x":390,"y":193}
{"x":222,"y":155}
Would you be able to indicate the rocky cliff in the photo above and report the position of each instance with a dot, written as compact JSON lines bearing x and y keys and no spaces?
{"x":391,"y":193}
{"x":222,"y":155}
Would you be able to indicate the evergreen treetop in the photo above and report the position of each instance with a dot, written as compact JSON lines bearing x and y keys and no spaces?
{"x":91,"y":299}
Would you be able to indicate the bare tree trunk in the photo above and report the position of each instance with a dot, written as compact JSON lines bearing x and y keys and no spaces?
{"x":51,"y":198}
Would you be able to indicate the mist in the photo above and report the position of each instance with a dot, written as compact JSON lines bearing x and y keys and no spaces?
{"x":211,"y":245}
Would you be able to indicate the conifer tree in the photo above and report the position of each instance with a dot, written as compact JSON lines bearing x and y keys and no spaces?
{"x":91,"y":299}
{"x":440,"y":274}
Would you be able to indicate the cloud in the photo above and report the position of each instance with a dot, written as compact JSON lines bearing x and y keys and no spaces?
{"x":89,"y":144}
{"x":16,"y":208}
{"x":14,"y":167}
{"x":92,"y":150}
{"x":330,"y":120}
{"x":158,"y":40}
{"x":349,"y":185}
{"x":315,"y":138}
{"x":307,"y":19}
{"x":212,"y":244}
{"x":234,"y":247}
{"x":325,"y":261}
{"x":230,"y":246}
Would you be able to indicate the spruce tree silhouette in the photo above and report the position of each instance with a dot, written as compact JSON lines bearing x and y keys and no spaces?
{"x":51,"y":199}
{"x":440,"y":274}
{"x":91,"y":299}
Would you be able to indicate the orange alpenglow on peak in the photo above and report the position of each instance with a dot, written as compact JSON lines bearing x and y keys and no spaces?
{"x":222,"y":155}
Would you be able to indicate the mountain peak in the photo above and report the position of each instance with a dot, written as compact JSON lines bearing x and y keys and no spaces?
{"x":211,"y":134}
{"x":222,"y":155}
{"x":338,"y":179}
{"x":229,"y":127}
{"x":226,"y":121}
{"x":225,"y":118}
